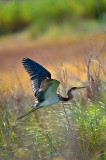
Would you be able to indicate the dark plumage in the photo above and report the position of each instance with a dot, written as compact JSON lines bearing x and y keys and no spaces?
{"x":37,"y":73}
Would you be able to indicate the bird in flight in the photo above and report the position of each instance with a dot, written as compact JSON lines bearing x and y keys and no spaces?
{"x":44,"y":88}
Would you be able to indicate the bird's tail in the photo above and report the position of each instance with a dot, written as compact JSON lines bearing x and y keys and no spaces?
{"x":30,"y":111}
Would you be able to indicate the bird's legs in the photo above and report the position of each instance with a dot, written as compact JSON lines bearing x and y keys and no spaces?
{"x":36,"y":105}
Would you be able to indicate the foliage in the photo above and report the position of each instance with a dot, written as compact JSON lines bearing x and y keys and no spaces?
{"x":16,"y":15}
{"x":76,"y":129}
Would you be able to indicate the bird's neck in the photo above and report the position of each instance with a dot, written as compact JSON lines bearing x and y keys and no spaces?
{"x":69,"y":94}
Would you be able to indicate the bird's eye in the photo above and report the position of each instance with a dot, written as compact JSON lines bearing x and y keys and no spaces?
{"x":73,"y":88}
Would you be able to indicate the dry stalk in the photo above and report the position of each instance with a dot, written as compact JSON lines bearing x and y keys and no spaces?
{"x":94,"y":68}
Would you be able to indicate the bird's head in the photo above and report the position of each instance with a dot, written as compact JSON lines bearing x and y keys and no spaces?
{"x":75,"y":88}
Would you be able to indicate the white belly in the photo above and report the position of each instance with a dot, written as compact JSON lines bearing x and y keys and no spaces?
{"x":49,"y":101}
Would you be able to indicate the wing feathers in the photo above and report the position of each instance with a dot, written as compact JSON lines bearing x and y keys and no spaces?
{"x":37,"y":73}
{"x":48,"y":89}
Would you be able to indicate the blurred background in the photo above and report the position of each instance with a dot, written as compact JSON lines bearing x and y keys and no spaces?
{"x":68,"y":38}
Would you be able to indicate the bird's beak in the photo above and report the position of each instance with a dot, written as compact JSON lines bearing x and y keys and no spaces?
{"x":82,"y":87}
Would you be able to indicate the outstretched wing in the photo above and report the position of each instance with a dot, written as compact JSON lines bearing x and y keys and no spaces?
{"x":47,"y":89}
{"x":37,"y":73}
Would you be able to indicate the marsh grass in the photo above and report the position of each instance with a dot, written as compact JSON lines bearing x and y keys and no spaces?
{"x":73,"y":130}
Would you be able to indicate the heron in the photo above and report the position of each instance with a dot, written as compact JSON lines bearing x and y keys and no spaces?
{"x":43,"y":86}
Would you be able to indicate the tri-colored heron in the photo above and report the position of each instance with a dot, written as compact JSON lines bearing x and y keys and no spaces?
{"x":44,"y":88}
